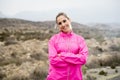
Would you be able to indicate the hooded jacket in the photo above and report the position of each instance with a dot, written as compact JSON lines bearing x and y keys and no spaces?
{"x":67,"y":53}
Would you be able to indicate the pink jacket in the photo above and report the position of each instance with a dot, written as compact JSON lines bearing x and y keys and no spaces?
{"x":73,"y":54}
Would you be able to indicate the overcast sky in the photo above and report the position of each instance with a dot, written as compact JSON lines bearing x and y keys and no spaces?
{"x":107,"y":11}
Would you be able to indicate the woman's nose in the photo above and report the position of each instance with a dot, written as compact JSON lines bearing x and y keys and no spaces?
{"x":63,"y":24}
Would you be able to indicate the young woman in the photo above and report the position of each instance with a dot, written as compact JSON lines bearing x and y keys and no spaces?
{"x":67,"y":52}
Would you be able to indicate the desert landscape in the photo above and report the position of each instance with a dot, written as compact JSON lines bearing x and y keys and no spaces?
{"x":24,"y":49}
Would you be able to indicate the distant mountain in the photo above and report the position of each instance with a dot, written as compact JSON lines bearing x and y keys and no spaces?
{"x":50,"y":15}
{"x":83,"y":29}
{"x":110,"y":26}
{"x":35,"y":15}
{"x":12,"y":22}
{"x":110,"y":30}
{"x":15,"y":22}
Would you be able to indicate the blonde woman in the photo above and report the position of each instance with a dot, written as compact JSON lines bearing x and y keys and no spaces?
{"x":67,"y":52}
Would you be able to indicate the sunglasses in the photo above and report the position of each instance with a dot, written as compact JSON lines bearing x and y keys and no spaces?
{"x":64,"y":21}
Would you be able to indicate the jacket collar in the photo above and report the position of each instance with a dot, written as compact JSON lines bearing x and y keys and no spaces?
{"x":66,"y":34}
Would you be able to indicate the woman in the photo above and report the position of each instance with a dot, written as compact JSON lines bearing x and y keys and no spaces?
{"x":67,"y":52}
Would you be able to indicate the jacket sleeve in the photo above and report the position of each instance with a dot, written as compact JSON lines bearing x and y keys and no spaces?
{"x":79,"y":58}
{"x":54,"y":59}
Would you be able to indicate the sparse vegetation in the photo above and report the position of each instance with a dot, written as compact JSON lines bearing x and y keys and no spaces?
{"x":39,"y":56}
{"x":84,"y":69}
{"x":39,"y":73}
{"x":23,"y":49}
{"x":91,"y":77}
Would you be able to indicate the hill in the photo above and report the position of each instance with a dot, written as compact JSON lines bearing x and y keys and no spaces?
{"x":24,"y":50}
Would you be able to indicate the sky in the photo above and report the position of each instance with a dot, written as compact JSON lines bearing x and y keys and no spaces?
{"x":83,"y":11}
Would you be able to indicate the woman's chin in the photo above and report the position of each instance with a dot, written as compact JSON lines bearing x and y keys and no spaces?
{"x":66,"y":31}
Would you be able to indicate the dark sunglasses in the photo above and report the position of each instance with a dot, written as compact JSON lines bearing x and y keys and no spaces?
{"x":64,"y":21}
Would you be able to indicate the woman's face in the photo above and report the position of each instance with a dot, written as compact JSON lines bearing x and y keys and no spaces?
{"x":64,"y":24}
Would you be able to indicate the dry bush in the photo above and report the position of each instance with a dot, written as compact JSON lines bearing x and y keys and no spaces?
{"x":39,"y":56}
{"x":2,"y":75}
{"x":16,"y":77}
{"x":3,"y":36}
{"x":90,"y":77}
{"x":92,"y":62}
{"x":40,"y":73}
{"x":10,"y":40}
{"x":103,"y":60}
{"x":111,"y":59}
{"x":84,"y":69}
{"x":45,"y":49}
{"x":115,"y":47}
{"x":16,"y":61}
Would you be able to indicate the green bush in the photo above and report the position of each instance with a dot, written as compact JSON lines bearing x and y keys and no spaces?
{"x":116,"y":71}
{"x":113,"y":66}
{"x":84,"y":69}
{"x":103,"y":73}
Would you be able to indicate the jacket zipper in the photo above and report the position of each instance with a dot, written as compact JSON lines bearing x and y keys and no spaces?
{"x":68,"y":74}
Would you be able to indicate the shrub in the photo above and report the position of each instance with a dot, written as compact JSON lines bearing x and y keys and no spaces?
{"x":103,"y":73}
{"x":45,"y":49}
{"x":16,"y":77}
{"x":39,"y":73}
{"x":90,"y":77}
{"x":16,"y":61}
{"x":116,"y":71}
{"x":9,"y":42}
{"x":2,"y":75}
{"x":38,"y":56}
{"x":3,"y":36}
{"x":115,"y":48}
{"x":84,"y":69}
{"x":113,"y":66}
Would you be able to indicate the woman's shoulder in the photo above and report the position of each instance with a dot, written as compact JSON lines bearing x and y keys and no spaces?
{"x":80,"y":39}
{"x":79,"y":36}
{"x":54,"y":37}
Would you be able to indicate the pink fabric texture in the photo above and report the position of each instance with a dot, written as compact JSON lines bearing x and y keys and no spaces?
{"x":73,"y":53}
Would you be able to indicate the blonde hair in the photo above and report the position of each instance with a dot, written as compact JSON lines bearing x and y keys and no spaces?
{"x":63,"y":14}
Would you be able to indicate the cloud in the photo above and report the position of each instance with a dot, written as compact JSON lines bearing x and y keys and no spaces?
{"x":15,"y":6}
{"x":79,"y":10}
